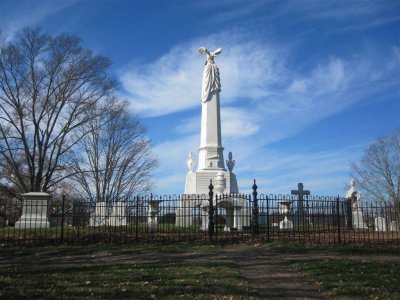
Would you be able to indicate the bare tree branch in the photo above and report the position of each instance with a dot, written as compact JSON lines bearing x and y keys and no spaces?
{"x":47,"y":87}
{"x":116,"y":160}
{"x":378,"y":172}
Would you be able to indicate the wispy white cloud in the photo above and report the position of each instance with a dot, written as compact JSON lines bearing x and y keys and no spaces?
{"x":29,"y":13}
{"x":173,"y":82}
{"x":237,"y":123}
{"x":262,"y":95}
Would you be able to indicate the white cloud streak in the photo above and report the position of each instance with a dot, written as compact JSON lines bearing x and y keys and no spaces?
{"x":29,"y":13}
{"x":262,"y":96}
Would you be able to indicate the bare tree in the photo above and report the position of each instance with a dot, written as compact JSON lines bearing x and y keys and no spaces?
{"x":378,"y":172}
{"x":116,"y":160}
{"x":47,"y":87}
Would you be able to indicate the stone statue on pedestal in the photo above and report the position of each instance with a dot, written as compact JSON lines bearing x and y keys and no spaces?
{"x":211,"y":163}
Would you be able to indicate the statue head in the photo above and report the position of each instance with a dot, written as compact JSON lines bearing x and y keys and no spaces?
{"x":210,"y":55}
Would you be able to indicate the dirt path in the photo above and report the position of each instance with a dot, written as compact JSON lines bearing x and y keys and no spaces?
{"x":270,"y":274}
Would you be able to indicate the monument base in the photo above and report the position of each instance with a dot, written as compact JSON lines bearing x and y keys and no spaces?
{"x":198,"y":182}
{"x":285,"y":224}
{"x":358,"y":220}
{"x":34,"y":211}
{"x":31,"y":224}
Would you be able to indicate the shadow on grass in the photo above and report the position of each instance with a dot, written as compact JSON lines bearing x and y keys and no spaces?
{"x":354,"y":279}
{"x":44,"y":272}
{"x":333,"y":248}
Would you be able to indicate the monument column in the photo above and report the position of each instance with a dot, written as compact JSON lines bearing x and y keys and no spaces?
{"x":211,"y":155}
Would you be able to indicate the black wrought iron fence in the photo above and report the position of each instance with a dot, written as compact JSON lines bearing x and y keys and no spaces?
{"x":200,"y":217}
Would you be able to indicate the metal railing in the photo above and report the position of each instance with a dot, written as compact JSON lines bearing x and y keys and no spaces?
{"x":200,"y":217}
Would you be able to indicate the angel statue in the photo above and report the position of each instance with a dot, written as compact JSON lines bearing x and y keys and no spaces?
{"x":211,"y":81}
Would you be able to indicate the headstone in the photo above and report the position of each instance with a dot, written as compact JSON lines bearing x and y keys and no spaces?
{"x":394,"y":226}
{"x":300,"y":214}
{"x":118,"y":215}
{"x":34,"y":211}
{"x":380,"y":224}
{"x":100,"y":216}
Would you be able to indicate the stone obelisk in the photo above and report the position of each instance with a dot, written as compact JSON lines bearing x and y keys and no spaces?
{"x":211,"y":165}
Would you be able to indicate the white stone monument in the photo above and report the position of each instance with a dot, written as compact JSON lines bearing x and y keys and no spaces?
{"x":118,"y":214}
{"x":34,"y":211}
{"x":100,"y":216}
{"x":357,"y":214}
{"x":380,"y":224}
{"x":211,"y":165}
{"x":394,"y":226}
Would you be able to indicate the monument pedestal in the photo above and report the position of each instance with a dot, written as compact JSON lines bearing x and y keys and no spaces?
{"x":285,"y":224}
{"x":100,"y":216}
{"x":34,"y":211}
{"x":118,"y":215}
{"x":358,"y":220}
{"x":380,"y":224}
{"x":197,"y":183}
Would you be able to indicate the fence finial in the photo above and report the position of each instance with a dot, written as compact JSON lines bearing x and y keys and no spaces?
{"x":254,"y":185}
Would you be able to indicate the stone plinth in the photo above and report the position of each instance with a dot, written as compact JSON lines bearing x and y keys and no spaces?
{"x":100,"y":216}
{"x":285,"y":224}
{"x":34,"y":211}
{"x":394,"y":226}
{"x":380,"y":224}
{"x":358,"y":219}
{"x":118,"y":215}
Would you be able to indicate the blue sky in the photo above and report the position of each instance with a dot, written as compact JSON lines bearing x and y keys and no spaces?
{"x":306,"y":85}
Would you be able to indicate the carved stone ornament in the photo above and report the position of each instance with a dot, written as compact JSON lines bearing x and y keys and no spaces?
{"x":211,"y":80}
{"x":190,"y":162}
{"x":230,"y":163}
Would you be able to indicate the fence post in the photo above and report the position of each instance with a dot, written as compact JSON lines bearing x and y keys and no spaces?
{"x":256,"y":227}
{"x":137,"y":219}
{"x":62,"y":219}
{"x":268,"y":219}
{"x":349,"y":213}
{"x":338,"y":219}
{"x":210,"y":211}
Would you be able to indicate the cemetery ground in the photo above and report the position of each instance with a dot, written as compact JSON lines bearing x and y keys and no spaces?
{"x":251,"y":270}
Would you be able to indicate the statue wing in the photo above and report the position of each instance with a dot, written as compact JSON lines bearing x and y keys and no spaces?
{"x":218,"y":51}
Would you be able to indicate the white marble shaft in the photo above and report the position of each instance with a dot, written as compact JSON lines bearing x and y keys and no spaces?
{"x":211,"y":155}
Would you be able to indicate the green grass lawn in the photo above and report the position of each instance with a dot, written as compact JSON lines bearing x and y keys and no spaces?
{"x":115,"y":271}
{"x":372,"y":273}
{"x":349,"y":279}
